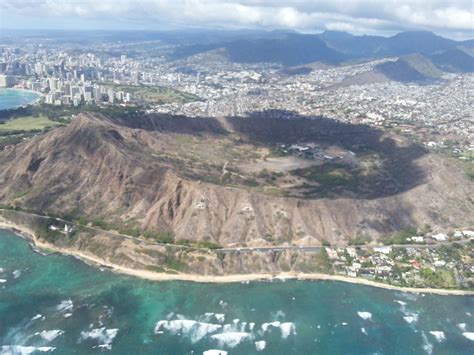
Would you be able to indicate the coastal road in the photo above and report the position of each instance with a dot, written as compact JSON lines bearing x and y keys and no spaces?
{"x":264,"y":249}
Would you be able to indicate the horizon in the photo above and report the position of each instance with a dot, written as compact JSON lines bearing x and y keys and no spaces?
{"x":230,"y":30}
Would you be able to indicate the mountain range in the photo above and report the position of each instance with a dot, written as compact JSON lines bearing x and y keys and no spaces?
{"x":433,"y":53}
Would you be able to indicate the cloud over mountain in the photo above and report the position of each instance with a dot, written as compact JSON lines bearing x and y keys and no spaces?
{"x":449,"y":17}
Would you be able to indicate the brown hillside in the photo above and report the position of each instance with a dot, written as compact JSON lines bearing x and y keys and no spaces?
{"x":136,"y":173}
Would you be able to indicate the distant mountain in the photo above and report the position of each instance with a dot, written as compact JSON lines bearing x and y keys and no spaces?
{"x":410,"y":68}
{"x":377,"y":46}
{"x":454,"y":60}
{"x":418,"y":42}
{"x":353,"y":46}
{"x":329,"y":47}
{"x":289,"y":50}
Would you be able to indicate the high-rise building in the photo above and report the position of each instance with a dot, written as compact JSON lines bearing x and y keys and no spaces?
{"x":7,"y":80}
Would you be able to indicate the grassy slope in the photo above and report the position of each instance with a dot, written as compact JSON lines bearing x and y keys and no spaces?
{"x":27,"y":123}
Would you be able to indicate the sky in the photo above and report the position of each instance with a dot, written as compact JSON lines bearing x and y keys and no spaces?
{"x":450,"y":18}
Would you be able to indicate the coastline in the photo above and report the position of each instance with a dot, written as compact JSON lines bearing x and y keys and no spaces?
{"x":33,"y":102}
{"x":29,"y":235}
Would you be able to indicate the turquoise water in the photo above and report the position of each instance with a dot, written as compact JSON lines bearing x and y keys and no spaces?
{"x":59,"y":302}
{"x":10,"y":98}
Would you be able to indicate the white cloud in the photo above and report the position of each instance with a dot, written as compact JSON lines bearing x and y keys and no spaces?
{"x":358,"y":16}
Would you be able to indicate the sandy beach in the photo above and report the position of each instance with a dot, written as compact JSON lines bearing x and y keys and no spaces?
{"x":150,"y":275}
{"x":34,"y":102}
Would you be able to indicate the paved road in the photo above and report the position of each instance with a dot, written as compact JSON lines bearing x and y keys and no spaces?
{"x":270,"y":249}
{"x":313,"y":249}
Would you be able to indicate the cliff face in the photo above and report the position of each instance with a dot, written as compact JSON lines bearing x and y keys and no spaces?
{"x":101,"y":168}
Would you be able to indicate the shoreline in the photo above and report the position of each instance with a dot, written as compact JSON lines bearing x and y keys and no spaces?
{"x":34,"y":102}
{"x":94,"y":261}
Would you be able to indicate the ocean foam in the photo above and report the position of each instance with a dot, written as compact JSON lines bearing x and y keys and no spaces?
{"x":50,"y":335}
{"x":206,"y":317}
{"x":462,"y":326}
{"x":363,"y":331}
{"x":265,"y":326}
{"x":439,"y":335}
{"x":287,"y":329}
{"x":401,"y":303}
{"x":469,"y":335}
{"x":411,"y":318}
{"x":190,"y":328}
{"x":220,"y":317}
{"x":260,"y":345}
{"x":16,"y":274}
{"x":214,"y":352}
{"x":365,"y":315}
{"x":38,"y":316}
{"x":427,"y":346}
{"x":278,"y":315}
{"x":24,"y":350}
{"x":231,"y":339}
{"x":104,"y":336}
{"x":170,"y":315}
{"x":65,"y":306}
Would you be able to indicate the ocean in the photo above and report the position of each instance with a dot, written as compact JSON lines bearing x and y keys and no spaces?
{"x":58,"y":304}
{"x":11,"y":98}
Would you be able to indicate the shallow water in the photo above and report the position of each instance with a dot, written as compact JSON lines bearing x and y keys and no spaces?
{"x":10,"y":98}
{"x":58,"y":302}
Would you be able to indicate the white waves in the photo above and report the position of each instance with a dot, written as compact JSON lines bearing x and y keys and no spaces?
{"x":65,"y":306}
{"x":439,"y":335}
{"x":24,"y":350}
{"x":193,"y":329}
{"x":260,"y":345}
{"x":50,"y":335}
{"x":468,"y":335}
{"x":365,"y":315}
{"x":231,"y":339}
{"x":427,"y":346}
{"x":104,"y":336}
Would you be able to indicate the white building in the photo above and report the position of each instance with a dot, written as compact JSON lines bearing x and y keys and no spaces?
{"x":441,"y":237}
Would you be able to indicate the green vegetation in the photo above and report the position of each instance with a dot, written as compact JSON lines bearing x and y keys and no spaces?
{"x":327,"y":174}
{"x":400,"y":237}
{"x":279,"y":152}
{"x":469,"y":169}
{"x":27,"y":123}
{"x":43,"y":232}
{"x":269,"y":176}
{"x":360,"y":240}
{"x":156,"y":94}
{"x":171,"y":262}
{"x":203,"y":244}
{"x":441,"y":278}
{"x":323,"y":262}
{"x":63,"y":114}
{"x":157,"y":269}
{"x":163,"y":237}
